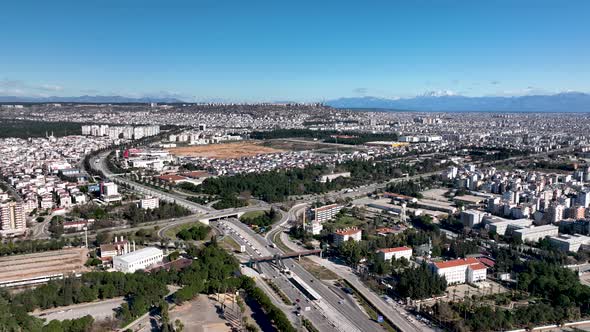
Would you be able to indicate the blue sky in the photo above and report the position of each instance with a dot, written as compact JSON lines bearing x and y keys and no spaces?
{"x":293,"y":50}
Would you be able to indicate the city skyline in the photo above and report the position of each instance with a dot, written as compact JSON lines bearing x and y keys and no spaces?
{"x":265,"y":51}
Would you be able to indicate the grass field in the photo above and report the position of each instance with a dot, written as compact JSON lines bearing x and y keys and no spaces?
{"x":229,"y":244}
{"x":224,"y":150}
{"x":317,"y":270}
{"x":171,"y":233}
{"x":347,"y":221}
{"x":253,"y":214}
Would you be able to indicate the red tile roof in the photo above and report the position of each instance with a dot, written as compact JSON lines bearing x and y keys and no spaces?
{"x":478,"y":266}
{"x":348,"y":231}
{"x":397,"y":249}
{"x":456,"y":262}
{"x":172,"y":177}
{"x":487,"y":261}
{"x":326,"y":207}
{"x":196,"y":174}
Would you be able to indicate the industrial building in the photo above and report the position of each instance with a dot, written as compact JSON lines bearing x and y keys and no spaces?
{"x":138,"y":260}
{"x":37,"y":268}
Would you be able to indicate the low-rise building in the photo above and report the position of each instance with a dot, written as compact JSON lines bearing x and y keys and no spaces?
{"x":387,"y":254}
{"x":534,"y":234}
{"x":503,"y":226}
{"x":461,"y":270}
{"x":138,"y":260}
{"x":149,"y":203}
{"x":569,"y":242}
{"x":344,"y":235}
{"x":331,"y":177}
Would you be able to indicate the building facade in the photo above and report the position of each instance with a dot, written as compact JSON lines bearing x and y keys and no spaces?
{"x":138,"y":260}
{"x":12,"y":219}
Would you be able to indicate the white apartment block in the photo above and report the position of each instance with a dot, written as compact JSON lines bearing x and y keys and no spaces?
{"x":324,"y":213}
{"x":459,"y":271}
{"x":471,"y":218}
{"x":387,"y":254}
{"x":109,"y":189}
{"x":12,"y":219}
{"x":149,"y":203}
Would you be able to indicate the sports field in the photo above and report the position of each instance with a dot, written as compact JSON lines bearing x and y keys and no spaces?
{"x":224,"y":150}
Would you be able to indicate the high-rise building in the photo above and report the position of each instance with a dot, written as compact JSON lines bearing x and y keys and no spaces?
{"x":12,"y":219}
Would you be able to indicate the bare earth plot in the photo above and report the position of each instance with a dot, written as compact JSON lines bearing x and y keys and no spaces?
{"x":199,"y":315}
{"x":224,"y":151}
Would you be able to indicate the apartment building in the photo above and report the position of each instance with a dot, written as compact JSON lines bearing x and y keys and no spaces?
{"x":12,"y":219}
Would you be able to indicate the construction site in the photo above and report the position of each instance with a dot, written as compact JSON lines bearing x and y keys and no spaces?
{"x":31,"y":269}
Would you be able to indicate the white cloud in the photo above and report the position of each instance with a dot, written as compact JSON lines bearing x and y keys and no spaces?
{"x":21,"y":88}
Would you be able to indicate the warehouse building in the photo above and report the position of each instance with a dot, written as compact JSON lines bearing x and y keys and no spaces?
{"x":138,"y":260}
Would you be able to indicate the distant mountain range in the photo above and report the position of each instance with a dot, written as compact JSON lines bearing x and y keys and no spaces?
{"x":562,"y":102}
{"x":87,"y":99}
{"x":443,"y":101}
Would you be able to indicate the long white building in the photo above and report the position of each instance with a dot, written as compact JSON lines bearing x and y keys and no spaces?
{"x":138,"y":260}
{"x":459,"y":271}
{"x":570,"y":242}
{"x":534,"y":234}
{"x":397,"y":253}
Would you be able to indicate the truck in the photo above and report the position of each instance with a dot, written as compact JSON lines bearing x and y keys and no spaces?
{"x":242,"y":248}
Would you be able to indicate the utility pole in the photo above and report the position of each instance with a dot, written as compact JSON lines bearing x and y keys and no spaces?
{"x":86,"y":235}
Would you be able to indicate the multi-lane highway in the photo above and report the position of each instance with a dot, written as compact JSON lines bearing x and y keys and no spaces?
{"x":335,"y":307}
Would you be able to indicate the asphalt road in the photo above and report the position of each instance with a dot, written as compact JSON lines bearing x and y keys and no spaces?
{"x":99,"y":310}
{"x":342,"y":316}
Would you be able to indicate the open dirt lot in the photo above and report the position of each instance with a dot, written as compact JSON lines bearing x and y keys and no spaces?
{"x":200,"y":315}
{"x":224,"y":150}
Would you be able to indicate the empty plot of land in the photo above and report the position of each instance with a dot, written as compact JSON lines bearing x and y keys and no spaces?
{"x":436,"y":194}
{"x":200,"y":315}
{"x":225,"y":150}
